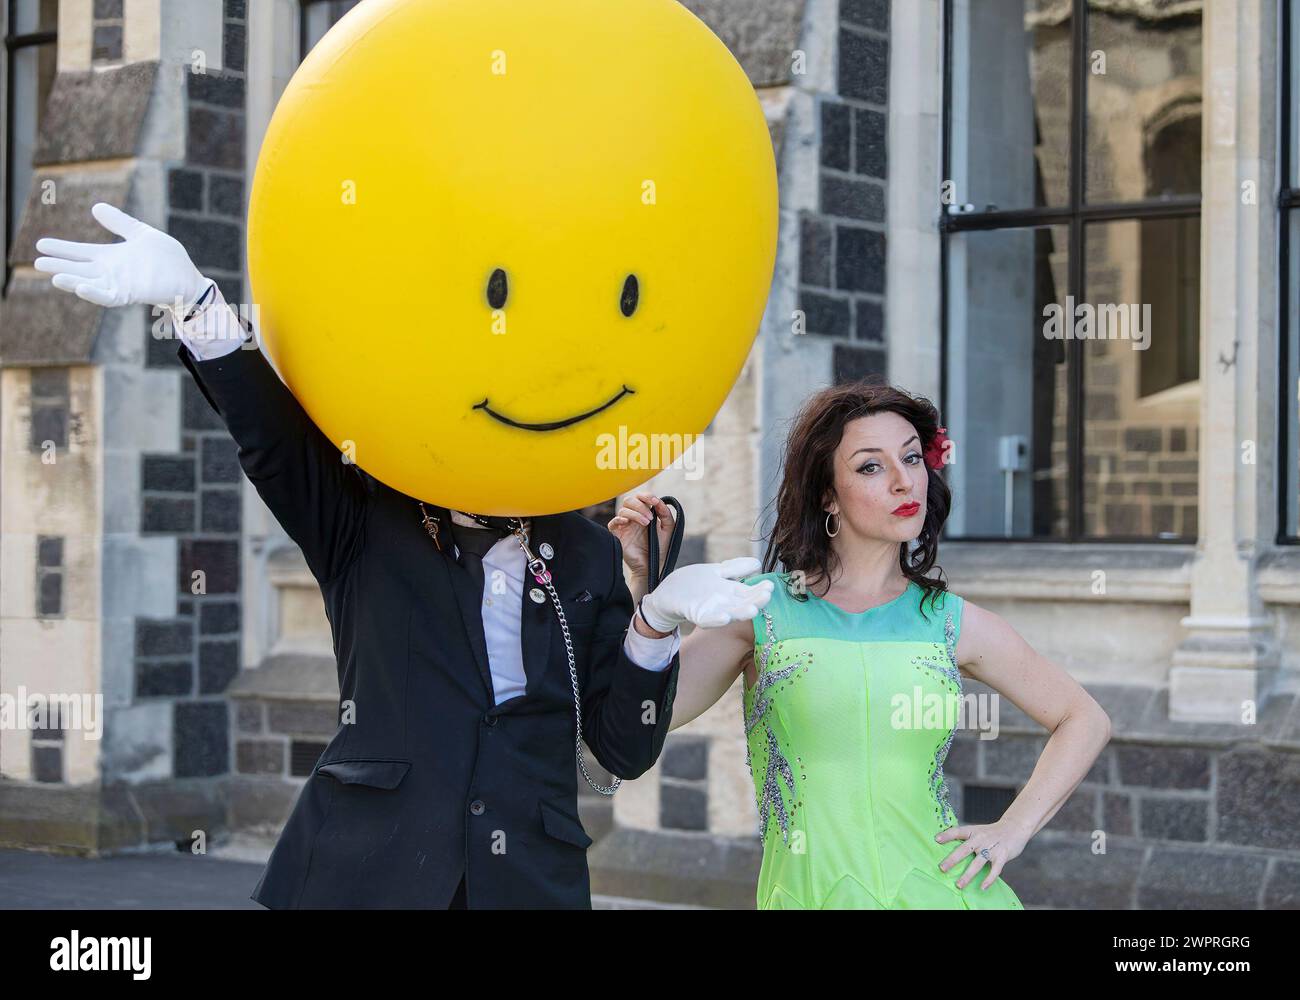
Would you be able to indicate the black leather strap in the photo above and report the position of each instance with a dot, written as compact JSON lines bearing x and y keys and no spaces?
{"x":674,"y":546}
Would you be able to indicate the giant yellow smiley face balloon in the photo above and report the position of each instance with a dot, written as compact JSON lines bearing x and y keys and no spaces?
{"x":510,"y":256}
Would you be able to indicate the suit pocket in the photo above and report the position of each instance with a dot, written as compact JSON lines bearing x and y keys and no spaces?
{"x":377,"y":772}
{"x":562,"y":826}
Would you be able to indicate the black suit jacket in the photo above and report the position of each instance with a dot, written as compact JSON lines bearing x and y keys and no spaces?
{"x":433,"y":780}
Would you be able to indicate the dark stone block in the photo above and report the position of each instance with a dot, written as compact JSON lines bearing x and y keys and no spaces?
{"x":165,"y":679}
{"x":232,"y":49}
{"x":51,"y":385}
{"x":49,"y":595}
{"x":1117,"y":814}
{"x":1162,"y":767}
{"x":235,"y":10}
{"x":219,"y":460}
{"x":872,"y":14}
{"x":218,"y":665}
{"x":1011,"y":758}
{"x":852,"y":363}
{"x":687,"y":758}
{"x":232,"y":290}
{"x":108,"y":10}
{"x":1174,"y":818}
{"x":870,"y":143}
{"x":223,"y":89}
{"x":49,"y":551}
{"x":1078,"y":814}
{"x":218,"y":560}
{"x":824,"y":314}
{"x":814,"y":252}
{"x":107,"y":42}
{"x":49,"y":423}
{"x":852,"y":199}
{"x":1190,"y":878}
{"x":1258,"y":793}
{"x":870,"y":320}
{"x":185,"y":190}
{"x":682,"y":807}
{"x":837,"y":129}
{"x":167,"y":474}
{"x":248,"y":716}
{"x":863,"y":67}
{"x":859,"y":259}
{"x":259,"y":757}
{"x":184,"y":607}
{"x":215,"y":138}
{"x":1283,"y":889}
{"x":160,"y":342}
{"x":219,"y":617}
{"x":302,"y":718}
{"x":197,"y":413}
{"x":166,"y":515}
{"x":95,"y":115}
{"x":201,"y":736}
{"x":1067,"y":874}
{"x":47,"y":764}
{"x":211,"y":243}
{"x":226,"y":197}
{"x":163,"y":638}
{"x":220,"y":512}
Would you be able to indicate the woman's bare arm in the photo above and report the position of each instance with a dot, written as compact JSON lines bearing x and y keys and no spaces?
{"x":993,"y":652}
{"x":711,"y":659}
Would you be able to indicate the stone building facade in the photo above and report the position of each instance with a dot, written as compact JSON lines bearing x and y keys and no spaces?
{"x":137,"y":564}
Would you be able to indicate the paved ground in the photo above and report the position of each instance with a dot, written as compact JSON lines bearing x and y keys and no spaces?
{"x":162,"y":879}
{"x":166,"y":880}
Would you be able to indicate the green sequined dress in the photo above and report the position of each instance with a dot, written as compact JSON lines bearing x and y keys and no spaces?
{"x":848,"y":726}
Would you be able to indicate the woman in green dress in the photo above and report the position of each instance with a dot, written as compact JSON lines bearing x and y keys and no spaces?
{"x":853,"y":673}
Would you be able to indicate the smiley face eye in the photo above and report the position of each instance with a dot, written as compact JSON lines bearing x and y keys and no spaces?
{"x":497,"y":289}
{"x":631,"y":293}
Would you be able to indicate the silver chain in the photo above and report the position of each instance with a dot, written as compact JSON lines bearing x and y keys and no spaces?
{"x":540,"y":573}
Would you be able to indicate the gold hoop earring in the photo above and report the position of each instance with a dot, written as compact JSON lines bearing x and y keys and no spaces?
{"x":829,"y":533}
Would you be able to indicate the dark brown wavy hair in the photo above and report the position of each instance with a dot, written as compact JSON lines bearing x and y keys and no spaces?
{"x":798,"y":539}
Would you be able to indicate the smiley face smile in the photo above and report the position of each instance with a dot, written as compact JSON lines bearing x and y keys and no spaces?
{"x":550,"y":425}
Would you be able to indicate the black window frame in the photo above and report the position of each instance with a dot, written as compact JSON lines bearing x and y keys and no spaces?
{"x":1288,"y":202}
{"x":303,"y":7}
{"x":1076,"y":215}
{"x":12,"y":44}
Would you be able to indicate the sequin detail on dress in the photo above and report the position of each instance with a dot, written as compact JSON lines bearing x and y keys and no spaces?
{"x":778,"y":766}
{"x":949,"y":670}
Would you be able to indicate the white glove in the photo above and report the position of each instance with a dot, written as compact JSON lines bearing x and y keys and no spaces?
{"x":149,"y":268}
{"x":707,"y":594}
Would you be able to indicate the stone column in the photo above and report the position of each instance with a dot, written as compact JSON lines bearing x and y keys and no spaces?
{"x":1228,"y":657}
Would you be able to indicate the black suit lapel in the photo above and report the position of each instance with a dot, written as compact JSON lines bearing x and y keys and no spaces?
{"x":469,"y":598}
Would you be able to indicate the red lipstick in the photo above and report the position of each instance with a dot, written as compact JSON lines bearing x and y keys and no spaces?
{"x":907,"y":509}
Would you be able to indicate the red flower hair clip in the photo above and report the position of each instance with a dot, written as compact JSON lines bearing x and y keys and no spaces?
{"x":934,"y":451}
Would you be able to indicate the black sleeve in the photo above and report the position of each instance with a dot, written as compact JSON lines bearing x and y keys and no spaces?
{"x":318,"y":499}
{"x":626,"y":709}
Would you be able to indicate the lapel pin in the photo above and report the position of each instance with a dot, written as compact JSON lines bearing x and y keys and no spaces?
{"x":546,"y":550}
{"x":537,"y":595}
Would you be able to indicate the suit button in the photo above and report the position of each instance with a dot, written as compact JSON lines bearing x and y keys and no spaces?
{"x":491,"y":720}
{"x":477,"y":807}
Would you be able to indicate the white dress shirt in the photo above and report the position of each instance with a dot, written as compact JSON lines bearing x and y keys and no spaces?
{"x":504,"y":569}
{"x":216,"y":331}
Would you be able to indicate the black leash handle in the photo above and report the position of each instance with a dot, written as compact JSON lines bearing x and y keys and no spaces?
{"x":674,"y":543}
